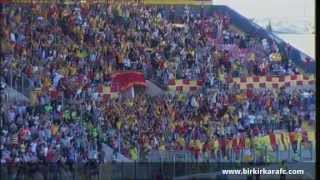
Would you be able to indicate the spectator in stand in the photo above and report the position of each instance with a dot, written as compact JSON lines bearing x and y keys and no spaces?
{"x":71,"y":51}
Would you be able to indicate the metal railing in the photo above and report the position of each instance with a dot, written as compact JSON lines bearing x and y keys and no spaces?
{"x":169,"y":164}
{"x":264,"y":155}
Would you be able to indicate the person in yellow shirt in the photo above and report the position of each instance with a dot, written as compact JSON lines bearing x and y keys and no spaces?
{"x":101,"y":23}
{"x":226,"y":118}
{"x":235,"y":119}
{"x":217,"y":55}
{"x":247,"y":143}
{"x":198,"y":148}
{"x":46,"y":82}
{"x":252,"y":57}
{"x":72,"y":70}
{"x":133,"y":153}
{"x":18,"y":18}
{"x":215,"y":146}
{"x":276,"y":57}
{"x":206,"y":119}
{"x":119,"y":124}
{"x":162,"y":147}
{"x":93,"y":21}
{"x":54,"y":130}
{"x":172,"y":126}
{"x":248,"y":150}
{"x":181,"y":142}
{"x":64,"y":71}
{"x":192,"y":144}
{"x":147,"y":147}
{"x":131,"y":119}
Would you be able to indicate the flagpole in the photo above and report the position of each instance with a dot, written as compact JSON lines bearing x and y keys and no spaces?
{"x":132,"y":91}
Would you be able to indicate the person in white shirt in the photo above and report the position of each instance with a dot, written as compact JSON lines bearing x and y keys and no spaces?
{"x":127,"y":63}
{"x":56,"y":79}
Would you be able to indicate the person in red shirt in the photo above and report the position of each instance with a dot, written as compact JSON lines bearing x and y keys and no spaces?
{"x":222,"y":145}
{"x":294,"y":141}
{"x":207,"y":148}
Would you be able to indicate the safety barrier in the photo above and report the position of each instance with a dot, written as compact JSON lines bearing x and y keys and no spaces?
{"x":169,"y":167}
{"x":262,"y":155}
{"x":275,"y":147}
{"x":273,"y":81}
{"x":185,"y":85}
{"x":248,"y":82}
{"x":299,"y":80}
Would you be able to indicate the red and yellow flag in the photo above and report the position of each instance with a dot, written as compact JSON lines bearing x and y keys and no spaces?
{"x":124,"y":80}
{"x":273,"y":141}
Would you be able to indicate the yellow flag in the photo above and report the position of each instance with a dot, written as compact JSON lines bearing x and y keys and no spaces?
{"x":287,"y":139}
{"x":312,"y":137}
{"x":247,"y":142}
{"x":279,"y":141}
{"x":134,"y":154}
{"x":267,"y":142}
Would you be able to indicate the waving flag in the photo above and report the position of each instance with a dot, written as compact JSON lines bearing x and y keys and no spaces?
{"x":122,"y":81}
{"x":273,"y":141}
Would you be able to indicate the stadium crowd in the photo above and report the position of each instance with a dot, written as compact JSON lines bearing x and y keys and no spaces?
{"x":172,"y":122}
{"x":70,"y":50}
{"x":56,"y":43}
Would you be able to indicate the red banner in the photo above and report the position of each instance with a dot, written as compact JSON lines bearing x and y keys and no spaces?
{"x":242,"y":142}
{"x":273,"y":141}
{"x":123,"y":80}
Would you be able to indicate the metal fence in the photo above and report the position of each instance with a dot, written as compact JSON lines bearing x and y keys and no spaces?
{"x":263,"y":155}
{"x":166,"y":165}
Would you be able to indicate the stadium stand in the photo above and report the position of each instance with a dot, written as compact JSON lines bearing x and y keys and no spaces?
{"x":224,"y":91}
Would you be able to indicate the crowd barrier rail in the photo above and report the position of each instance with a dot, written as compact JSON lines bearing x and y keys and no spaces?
{"x":173,"y":164}
{"x":274,"y":82}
